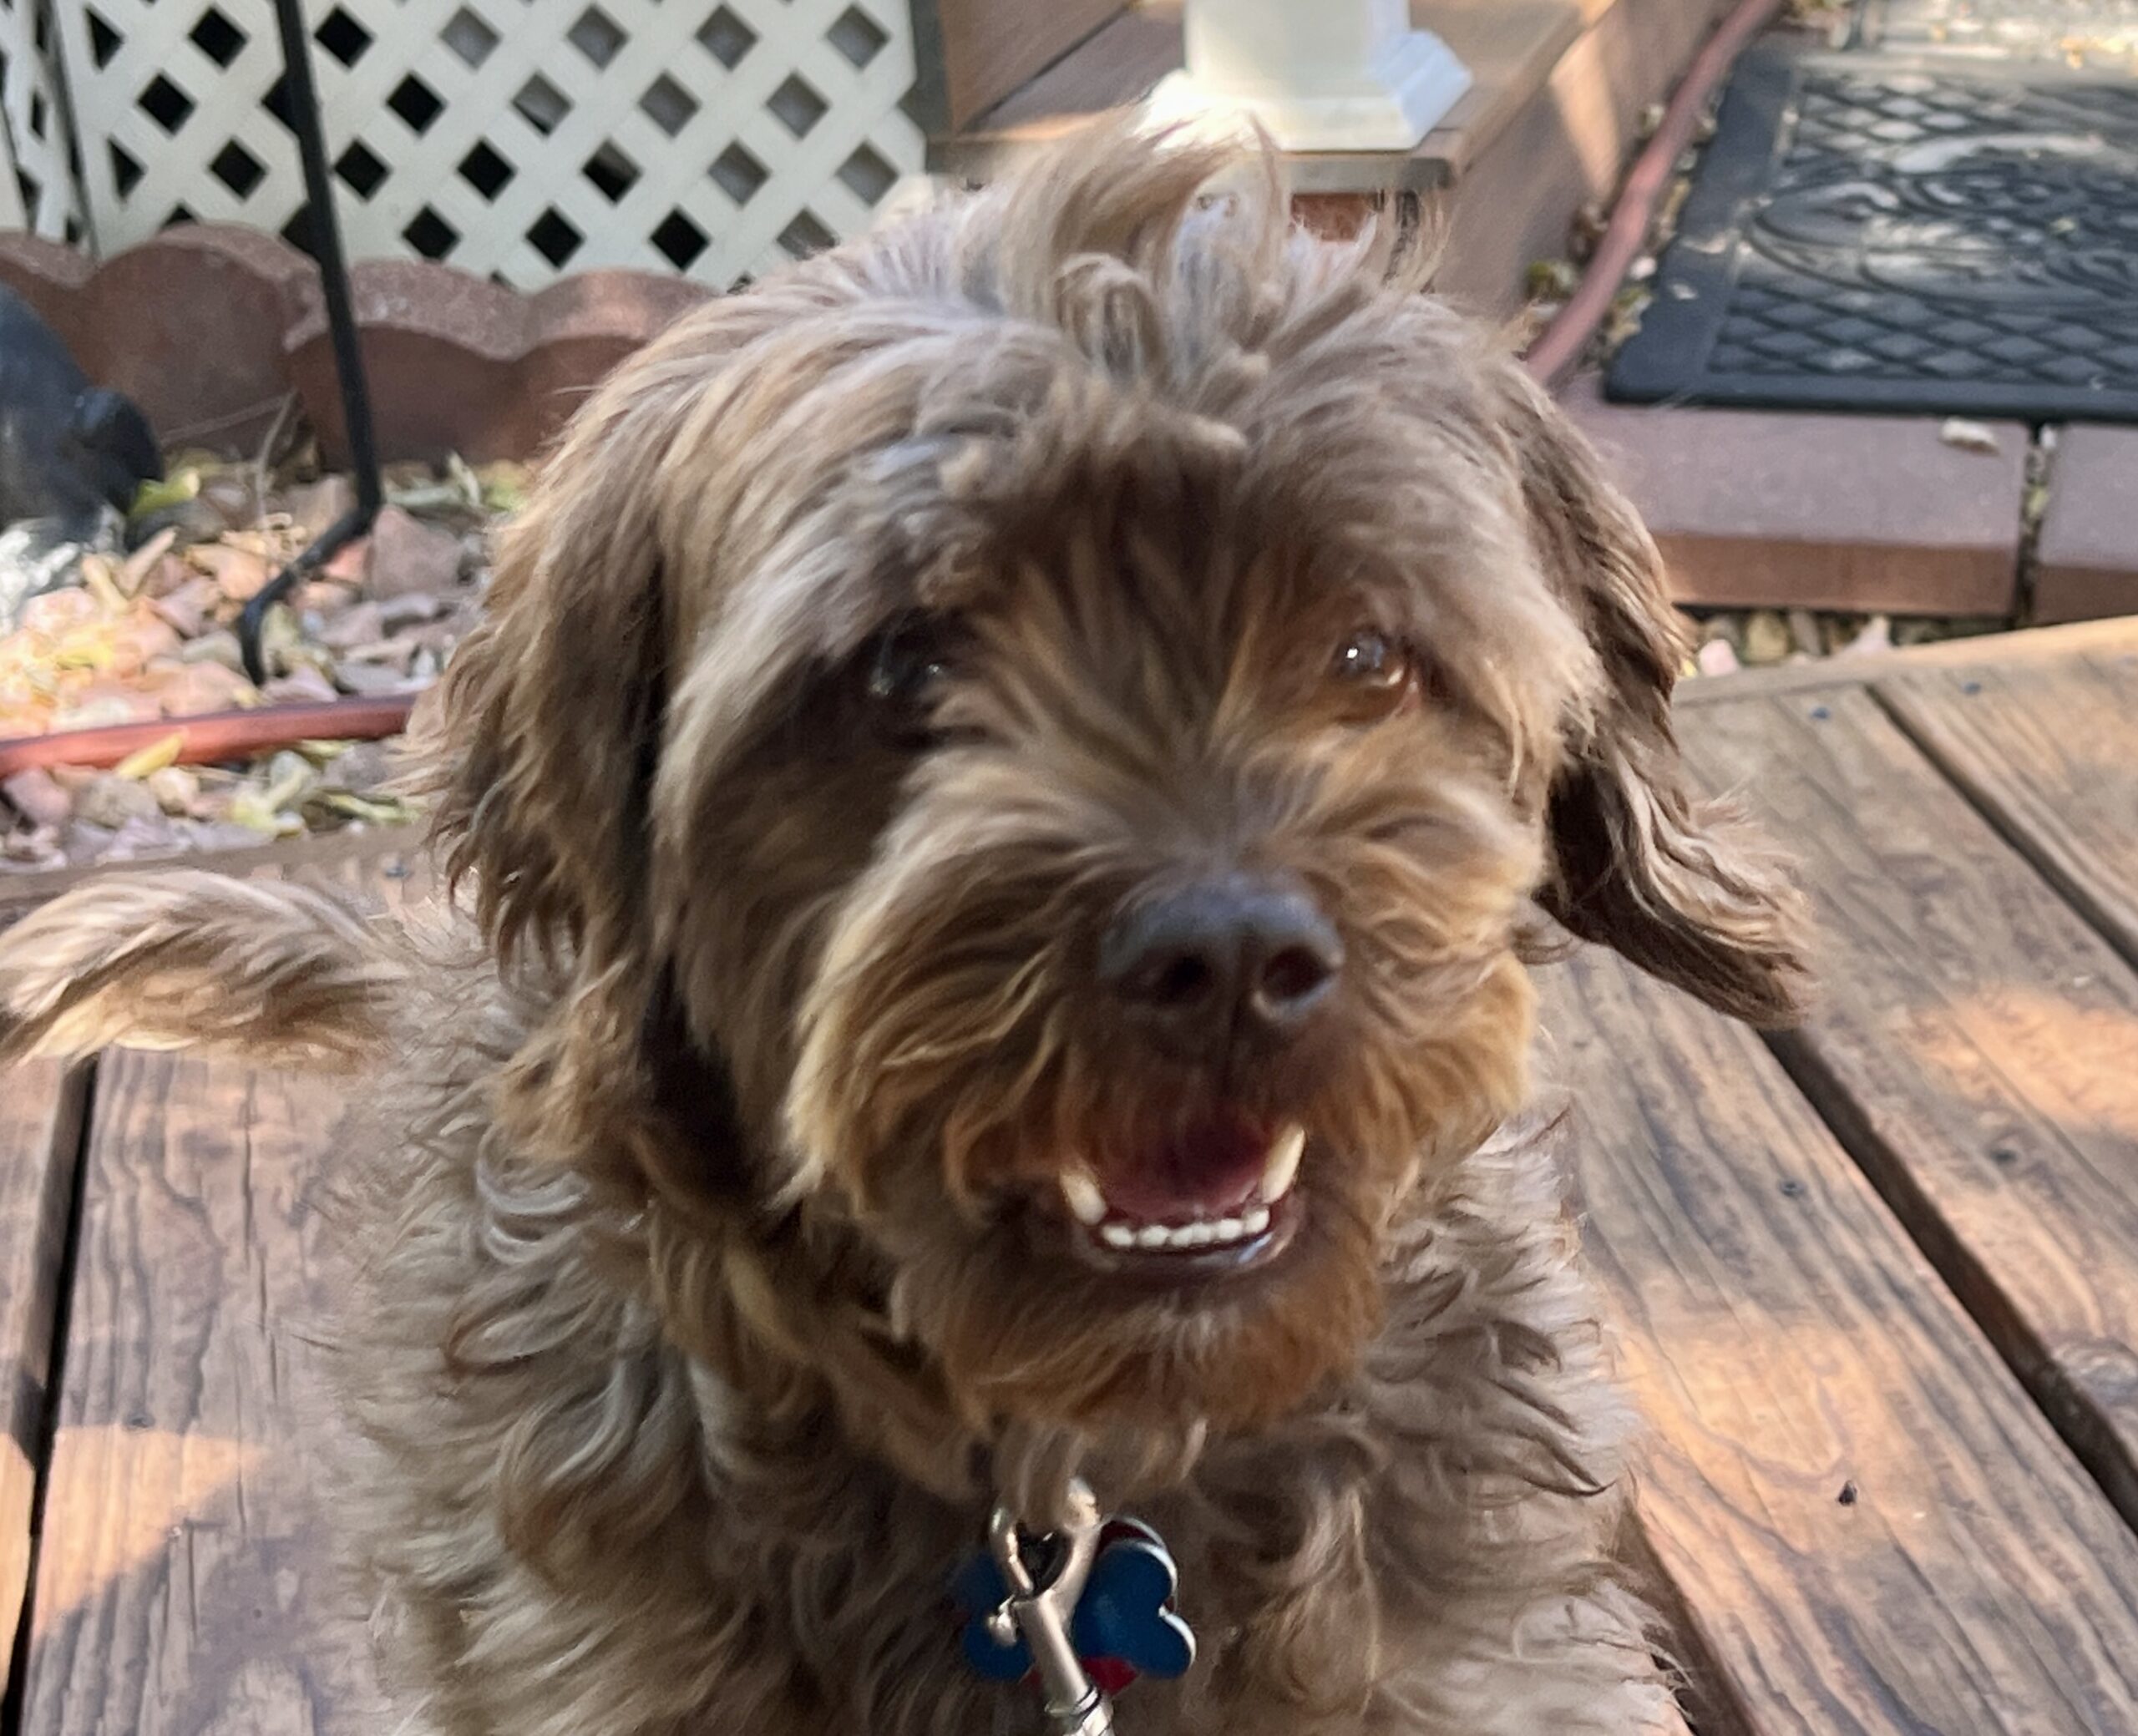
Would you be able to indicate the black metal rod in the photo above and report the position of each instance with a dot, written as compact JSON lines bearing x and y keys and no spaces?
{"x":306,"y":122}
{"x":252,"y":619}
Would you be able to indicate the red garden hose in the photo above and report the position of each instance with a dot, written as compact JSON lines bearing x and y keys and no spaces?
{"x":1563,"y":342}
{"x":213,"y":735}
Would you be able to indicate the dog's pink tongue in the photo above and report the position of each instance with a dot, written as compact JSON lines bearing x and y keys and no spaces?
{"x":1203,"y":1171}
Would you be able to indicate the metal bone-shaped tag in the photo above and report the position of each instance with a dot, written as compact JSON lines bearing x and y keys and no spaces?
{"x":1125,"y":1616}
{"x":1084,"y":1609}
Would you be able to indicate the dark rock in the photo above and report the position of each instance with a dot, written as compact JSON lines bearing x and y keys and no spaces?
{"x":66,"y":448}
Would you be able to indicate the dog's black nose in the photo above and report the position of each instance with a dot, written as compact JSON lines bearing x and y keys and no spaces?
{"x":1220,"y":961}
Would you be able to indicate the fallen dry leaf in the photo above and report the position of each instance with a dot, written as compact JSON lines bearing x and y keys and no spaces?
{"x":102,"y":710}
{"x":239,"y":574}
{"x":250,"y":809}
{"x":142,"y":639}
{"x":174,"y":488}
{"x":1968,"y":436}
{"x":1766,"y":638}
{"x":504,"y":484}
{"x":373,"y":810}
{"x":220,"y":646}
{"x":134,"y":573}
{"x":176,"y":788}
{"x":154,"y":758}
{"x":182,"y":613}
{"x":100,"y":579}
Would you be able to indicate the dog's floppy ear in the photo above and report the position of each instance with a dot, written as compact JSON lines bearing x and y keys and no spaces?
{"x":542,"y":738}
{"x":1678,"y":885}
{"x":540,"y":748}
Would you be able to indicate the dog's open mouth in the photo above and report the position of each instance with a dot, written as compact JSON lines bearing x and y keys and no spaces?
{"x":1217,"y":1195}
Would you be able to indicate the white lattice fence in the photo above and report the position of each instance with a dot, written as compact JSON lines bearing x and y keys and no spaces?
{"x":519,"y":138}
{"x":33,"y":152}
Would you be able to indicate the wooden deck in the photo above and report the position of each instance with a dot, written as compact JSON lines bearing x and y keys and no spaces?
{"x":1875,"y":1284}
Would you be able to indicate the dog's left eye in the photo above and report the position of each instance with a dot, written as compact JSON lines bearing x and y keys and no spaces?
{"x":1370,"y":661}
{"x":906,"y":670}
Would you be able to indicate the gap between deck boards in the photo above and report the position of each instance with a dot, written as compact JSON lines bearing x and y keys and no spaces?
{"x":1851,"y":1117}
{"x":75,"y":1121}
{"x":2001,"y":1321}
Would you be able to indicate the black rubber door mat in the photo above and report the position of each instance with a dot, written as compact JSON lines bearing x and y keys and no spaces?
{"x":2098,"y":33}
{"x":1904,"y":234}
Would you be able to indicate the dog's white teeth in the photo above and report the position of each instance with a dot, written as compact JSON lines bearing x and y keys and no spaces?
{"x":1282,"y":1168}
{"x":1129,"y":1236}
{"x":1081,"y":1193}
{"x":1174,"y":1237}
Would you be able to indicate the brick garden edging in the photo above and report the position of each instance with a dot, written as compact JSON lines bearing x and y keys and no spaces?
{"x":209,"y":327}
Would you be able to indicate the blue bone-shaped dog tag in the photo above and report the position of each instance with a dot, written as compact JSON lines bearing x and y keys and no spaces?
{"x":1124,"y":1626}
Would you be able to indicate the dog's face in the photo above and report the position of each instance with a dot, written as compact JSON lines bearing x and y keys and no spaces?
{"x":1069,"y":711}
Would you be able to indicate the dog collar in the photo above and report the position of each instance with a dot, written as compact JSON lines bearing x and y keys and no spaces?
{"x":1082,"y":1612}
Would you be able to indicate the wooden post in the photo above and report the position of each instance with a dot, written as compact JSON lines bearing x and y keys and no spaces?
{"x":1348,"y":75}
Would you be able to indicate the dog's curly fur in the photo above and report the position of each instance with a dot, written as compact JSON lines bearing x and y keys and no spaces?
{"x":710,"y":1286}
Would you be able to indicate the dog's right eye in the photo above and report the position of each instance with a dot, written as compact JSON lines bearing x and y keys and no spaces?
{"x":906,"y":671}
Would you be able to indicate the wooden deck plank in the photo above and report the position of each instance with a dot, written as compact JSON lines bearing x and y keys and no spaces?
{"x":2049,"y":753}
{"x":40,"y":1110}
{"x":21,"y":891}
{"x":185,"y":1579}
{"x":184,"y":1576}
{"x":2034,"y":644}
{"x":1976,"y":1047}
{"x":1876,"y":1532}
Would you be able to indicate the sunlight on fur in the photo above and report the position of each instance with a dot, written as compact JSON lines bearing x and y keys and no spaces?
{"x":1001,"y":814}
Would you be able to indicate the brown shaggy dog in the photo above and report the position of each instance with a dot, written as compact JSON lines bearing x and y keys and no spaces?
{"x":1005,"y":802}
